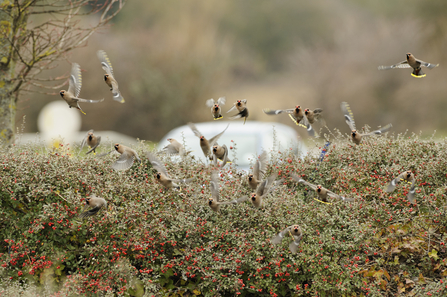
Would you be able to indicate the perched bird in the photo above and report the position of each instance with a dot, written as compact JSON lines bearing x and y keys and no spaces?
{"x":108,"y":77}
{"x":221,"y":153}
{"x":241,"y":106}
{"x":355,"y":136}
{"x":295,"y":232}
{"x":263,"y":189}
{"x":408,"y":177}
{"x":313,"y":115}
{"x":297,"y":115}
{"x":92,"y":141}
{"x":126,"y":159}
{"x":95,"y":204}
{"x":174,"y":147}
{"x":259,"y":170}
{"x":414,"y":63}
{"x":162,"y":175}
{"x":205,"y":144}
{"x":214,"y":202}
{"x":74,"y":88}
{"x":216,"y":107}
{"x":322,"y":192}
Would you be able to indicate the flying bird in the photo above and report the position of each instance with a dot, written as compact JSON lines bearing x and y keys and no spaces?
{"x":408,"y":177}
{"x":92,"y":141}
{"x":412,"y":62}
{"x":108,"y":77}
{"x":221,"y":153}
{"x":313,"y":115}
{"x":174,"y":147}
{"x":125,"y":161}
{"x":241,"y":106}
{"x":216,"y":110}
{"x":74,"y":88}
{"x":162,"y":175}
{"x":259,"y":169}
{"x":295,"y":232}
{"x":206,"y":144}
{"x":214,"y":202}
{"x":264,"y":188}
{"x":95,"y":204}
{"x":322,"y":192}
{"x":355,"y":136}
{"x":297,"y":115}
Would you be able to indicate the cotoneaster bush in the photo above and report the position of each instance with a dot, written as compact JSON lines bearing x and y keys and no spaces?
{"x":153,"y":241}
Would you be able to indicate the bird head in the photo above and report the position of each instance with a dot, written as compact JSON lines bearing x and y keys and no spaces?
{"x":306,"y":111}
{"x":409,"y":55}
{"x":210,"y":201}
{"x":106,"y":76}
{"x":90,"y":135}
{"x":296,"y":228}
{"x":354,"y":133}
{"x":297,"y":108}
{"x":158,"y":175}
{"x":169,"y":139}
{"x":117,"y":146}
{"x":319,"y":188}
{"x":202,"y":138}
{"x":250,"y":177}
{"x":253,"y":197}
{"x":408,"y":173}
{"x":62,"y":93}
{"x":239,"y":103}
{"x":87,"y":200}
{"x":215,"y":148}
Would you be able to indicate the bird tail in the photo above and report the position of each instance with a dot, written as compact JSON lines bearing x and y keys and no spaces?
{"x":418,"y":73}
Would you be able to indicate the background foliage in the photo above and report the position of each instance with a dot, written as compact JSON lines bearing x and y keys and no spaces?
{"x":153,"y":241}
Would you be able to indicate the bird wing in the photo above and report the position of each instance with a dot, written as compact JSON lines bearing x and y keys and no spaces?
{"x":302,"y":181}
{"x":293,"y":246}
{"x":225,"y":156}
{"x":98,"y":141}
{"x":265,"y":185}
{"x":124,"y":162}
{"x":214,"y":185}
{"x":216,"y":138}
{"x":349,"y":116}
{"x":277,"y":111}
{"x":403,"y":64}
{"x":333,"y":195}
{"x":75,"y":81}
{"x":84,"y":140}
{"x":379,"y":131}
{"x":308,"y":126}
{"x":279,"y":237}
{"x":426,"y":64}
{"x":170,"y":149}
{"x":87,"y":100}
{"x":240,"y":200}
{"x":261,"y":166}
{"x":210,"y":102}
{"x":411,"y":194}
{"x":156,"y":163}
{"x":232,"y":108}
{"x":221,"y":101}
{"x":183,"y":180}
{"x":392,"y":185}
{"x":194,"y":129}
{"x":105,"y":62}
{"x":90,"y":212}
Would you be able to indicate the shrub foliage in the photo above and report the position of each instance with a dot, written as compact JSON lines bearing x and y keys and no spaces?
{"x":153,"y":241}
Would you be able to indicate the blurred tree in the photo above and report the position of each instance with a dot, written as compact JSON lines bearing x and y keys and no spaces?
{"x":34,"y":34}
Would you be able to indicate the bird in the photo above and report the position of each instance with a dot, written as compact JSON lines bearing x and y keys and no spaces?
{"x":295,"y":232}
{"x":322,"y":192}
{"x":205,"y":144}
{"x":221,"y":153}
{"x":174,"y":147}
{"x":92,"y":141}
{"x":162,"y":175}
{"x":408,"y":177}
{"x":216,"y":110}
{"x":412,"y":62}
{"x":259,"y":170}
{"x":126,"y":159}
{"x":214,"y":201}
{"x":313,"y":115}
{"x":355,"y":136}
{"x":262,"y":190}
{"x":74,"y":88}
{"x":95,"y":204}
{"x":108,"y":77}
{"x":297,"y":115}
{"x":241,"y":106}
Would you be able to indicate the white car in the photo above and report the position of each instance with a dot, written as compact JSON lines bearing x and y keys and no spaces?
{"x":249,"y":139}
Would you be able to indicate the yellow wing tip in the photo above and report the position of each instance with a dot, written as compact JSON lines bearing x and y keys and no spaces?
{"x":122,"y":101}
{"x":322,"y":201}
{"x":221,"y":117}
